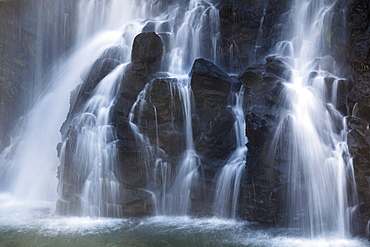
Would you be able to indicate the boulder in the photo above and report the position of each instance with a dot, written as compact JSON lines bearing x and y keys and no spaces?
{"x":213,"y":128}
{"x":147,"y":52}
{"x":147,"y":49}
{"x":213,"y":132}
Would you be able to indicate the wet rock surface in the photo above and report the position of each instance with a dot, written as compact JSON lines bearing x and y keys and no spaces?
{"x":261,"y":191}
{"x":213,"y":132}
{"x":358,"y":102}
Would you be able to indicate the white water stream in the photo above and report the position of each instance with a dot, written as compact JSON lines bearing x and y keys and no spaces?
{"x":311,"y":131}
{"x":228,"y":181}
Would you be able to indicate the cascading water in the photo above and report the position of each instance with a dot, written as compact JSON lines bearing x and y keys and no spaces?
{"x":185,"y":37}
{"x":172,"y":191}
{"x":175,"y":26}
{"x":96,"y":150}
{"x":199,"y":18}
{"x":189,"y":29}
{"x":29,"y":163}
{"x":312,"y":132}
{"x":228,"y":181}
{"x":188,"y":173}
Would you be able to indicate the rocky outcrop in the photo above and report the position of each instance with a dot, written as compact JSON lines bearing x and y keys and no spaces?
{"x":214,"y":136}
{"x":147,"y":53}
{"x":249,"y":30}
{"x":213,"y":124}
{"x":262,"y":188}
{"x":359,"y":143}
{"x":348,"y":37}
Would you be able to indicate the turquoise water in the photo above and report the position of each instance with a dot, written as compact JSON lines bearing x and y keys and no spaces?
{"x":34,"y":224}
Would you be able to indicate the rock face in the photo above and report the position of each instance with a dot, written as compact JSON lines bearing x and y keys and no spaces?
{"x":213,"y":132}
{"x":262,"y":189}
{"x":358,"y":103}
{"x":249,"y":29}
{"x":147,"y":53}
{"x":359,"y":143}
{"x":348,"y":38}
{"x":214,"y":136}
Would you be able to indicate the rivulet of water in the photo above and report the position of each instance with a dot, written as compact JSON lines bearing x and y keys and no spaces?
{"x":228,"y":181}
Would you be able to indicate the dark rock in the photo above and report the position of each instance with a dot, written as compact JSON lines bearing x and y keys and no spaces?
{"x":213,"y":133}
{"x":101,"y":68}
{"x":357,"y":102}
{"x":148,"y":49}
{"x":277,"y":67}
{"x":262,"y":188}
{"x":359,"y":145}
{"x":211,"y":87}
{"x":241,"y":30}
{"x":147,"y":54}
{"x":252,"y":78}
{"x":136,"y":203}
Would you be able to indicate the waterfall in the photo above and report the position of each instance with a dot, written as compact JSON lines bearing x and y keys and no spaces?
{"x":181,"y":27}
{"x":188,"y":29}
{"x":29,"y":163}
{"x":171,"y":188}
{"x":311,"y":132}
{"x":96,"y":150}
{"x":172,"y":183}
{"x":188,"y":173}
{"x":228,"y":181}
